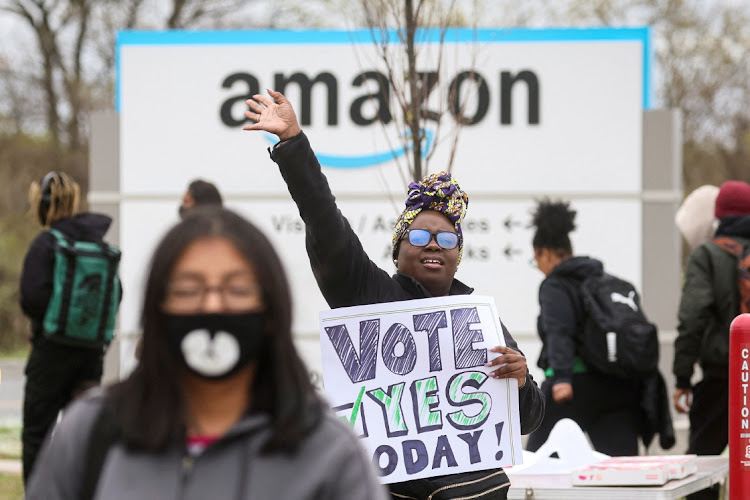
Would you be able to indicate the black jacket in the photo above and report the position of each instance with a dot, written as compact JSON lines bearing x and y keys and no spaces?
{"x":39,"y":263}
{"x":709,"y":303}
{"x":345,"y":274}
{"x":561,"y":314}
{"x":560,"y":326}
{"x":654,"y":413}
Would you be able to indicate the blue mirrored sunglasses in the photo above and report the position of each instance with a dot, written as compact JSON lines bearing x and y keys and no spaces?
{"x":421,"y":238}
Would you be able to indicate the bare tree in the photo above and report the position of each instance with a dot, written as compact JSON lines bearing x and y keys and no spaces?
{"x":37,"y":14}
{"x":190,"y":13}
{"x":409,"y":84}
{"x":74,"y":63}
{"x":701,"y":53}
{"x":15,"y":100}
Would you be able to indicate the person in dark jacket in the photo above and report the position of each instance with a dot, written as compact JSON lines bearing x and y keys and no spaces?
{"x":709,"y":303}
{"x":347,"y":277}
{"x":605,"y":407}
{"x":55,"y":373}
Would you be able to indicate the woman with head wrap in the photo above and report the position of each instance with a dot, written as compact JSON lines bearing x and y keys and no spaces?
{"x":427,"y":247}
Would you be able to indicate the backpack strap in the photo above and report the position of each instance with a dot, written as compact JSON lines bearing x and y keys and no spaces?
{"x":67,"y":250}
{"x":742,"y":254}
{"x":729,"y":245}
{"x":114,"y":259}
{"x":104,"y":434}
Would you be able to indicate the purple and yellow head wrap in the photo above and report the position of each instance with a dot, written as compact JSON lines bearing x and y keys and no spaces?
{"x":439,"y":192}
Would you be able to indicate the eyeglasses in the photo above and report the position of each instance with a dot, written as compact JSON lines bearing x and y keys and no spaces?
{"x":190,"y":295}
{"x":422,"y":237}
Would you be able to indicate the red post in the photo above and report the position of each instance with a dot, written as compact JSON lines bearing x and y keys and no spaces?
{"x":739,"y":407}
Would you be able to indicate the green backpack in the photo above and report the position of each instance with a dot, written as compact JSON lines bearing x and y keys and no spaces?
{"x":85,"y":293}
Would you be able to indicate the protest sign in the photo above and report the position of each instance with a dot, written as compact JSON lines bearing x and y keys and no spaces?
{"x":410,"y":378}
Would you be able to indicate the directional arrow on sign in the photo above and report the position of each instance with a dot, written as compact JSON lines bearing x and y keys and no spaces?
{"x":509,"y":251}
{"x":509,"y":223}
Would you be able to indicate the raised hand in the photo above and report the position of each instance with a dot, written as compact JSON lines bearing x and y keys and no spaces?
{"x":513,"y":365}
{"x":275,"y":116}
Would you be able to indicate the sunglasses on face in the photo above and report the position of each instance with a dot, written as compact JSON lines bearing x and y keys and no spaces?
{"x":422,"y":237}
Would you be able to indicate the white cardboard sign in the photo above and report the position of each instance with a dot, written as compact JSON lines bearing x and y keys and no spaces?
{"x":410,"y":378}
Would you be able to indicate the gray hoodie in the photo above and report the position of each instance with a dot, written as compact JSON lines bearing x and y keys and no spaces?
{"x":328,"y":465}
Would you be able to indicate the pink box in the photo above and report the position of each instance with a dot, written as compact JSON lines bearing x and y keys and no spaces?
{"x":678,"y":466}
{"x":621,"y":474}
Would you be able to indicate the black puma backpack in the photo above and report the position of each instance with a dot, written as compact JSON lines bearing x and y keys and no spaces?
{"x":617,"y":337}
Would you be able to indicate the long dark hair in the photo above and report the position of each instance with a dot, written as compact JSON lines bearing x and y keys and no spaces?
{"x":553,"y":220}
{"x":149,"y":405}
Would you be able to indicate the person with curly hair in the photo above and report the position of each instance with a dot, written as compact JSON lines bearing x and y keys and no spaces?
{"x":604,"y":406}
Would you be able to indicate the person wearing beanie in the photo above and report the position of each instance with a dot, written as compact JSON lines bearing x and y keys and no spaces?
{"x":427,"y":248}
{"x":709,"y":303}
{"x":733,"y":200}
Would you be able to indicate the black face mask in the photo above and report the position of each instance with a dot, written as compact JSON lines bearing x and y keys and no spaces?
{"x":182,"y":211}
{"x":215,"y":346}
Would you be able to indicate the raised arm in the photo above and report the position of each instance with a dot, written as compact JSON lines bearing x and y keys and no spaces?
{"x":345,"y":274}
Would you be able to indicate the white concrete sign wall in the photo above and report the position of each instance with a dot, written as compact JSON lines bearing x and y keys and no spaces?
{"x":553,"y":112}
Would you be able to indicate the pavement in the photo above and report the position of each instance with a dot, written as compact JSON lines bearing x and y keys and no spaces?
{"x":10,"y":467}
{"x":11,"y":405}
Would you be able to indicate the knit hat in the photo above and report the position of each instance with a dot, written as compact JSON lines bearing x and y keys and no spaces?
{"x":439,"y":192}
{"x":733,"y":199}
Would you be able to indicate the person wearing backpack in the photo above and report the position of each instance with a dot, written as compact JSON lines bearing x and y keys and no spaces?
{"x":715,"y":291}
{"x":71,"y":323}
{"x":604,"y":406}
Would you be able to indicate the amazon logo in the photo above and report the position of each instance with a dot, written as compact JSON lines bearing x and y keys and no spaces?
{"x":374,"y":104}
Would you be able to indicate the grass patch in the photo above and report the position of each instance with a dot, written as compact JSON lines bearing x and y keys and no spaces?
{"x":18,"y":352}
{"x":10,"y":443}
{"x":11,"y":486}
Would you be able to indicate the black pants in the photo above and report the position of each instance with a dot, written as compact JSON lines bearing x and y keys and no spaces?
{"x":709,"y":424}
{"x":491,"y":484}
{"x":55,"y":374}
{"x":605,"y":408}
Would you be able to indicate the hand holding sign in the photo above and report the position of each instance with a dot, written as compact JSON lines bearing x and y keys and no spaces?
{"x":512,"y":364}
{"x":413,"y":380}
